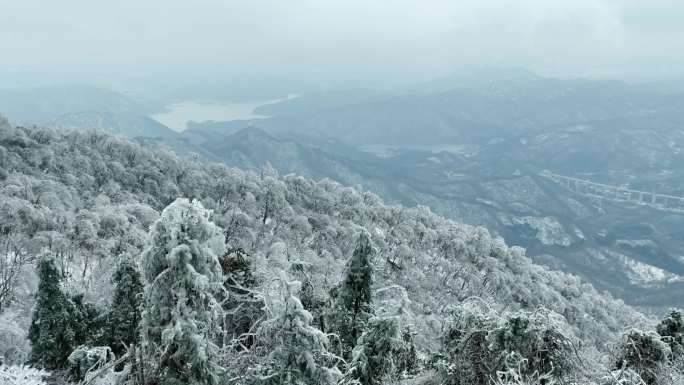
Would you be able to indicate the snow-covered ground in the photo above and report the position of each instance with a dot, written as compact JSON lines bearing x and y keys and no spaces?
{"x":549,"y":230}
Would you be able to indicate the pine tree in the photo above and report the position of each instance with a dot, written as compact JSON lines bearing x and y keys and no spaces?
{"x":88,"y":322}
{"x":52,"y":334}
{"x":376,"y":356}
{"x":181,"y":320}
{"x":124,"y":314}
{"x":313,"y":303}
{"x":298,"y":351}
{"x":352,"y":307}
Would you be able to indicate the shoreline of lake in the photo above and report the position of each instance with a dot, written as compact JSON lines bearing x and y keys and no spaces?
{"x":176,"y":115}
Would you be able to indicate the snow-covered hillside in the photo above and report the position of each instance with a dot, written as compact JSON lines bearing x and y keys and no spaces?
{"x":88,"y":200}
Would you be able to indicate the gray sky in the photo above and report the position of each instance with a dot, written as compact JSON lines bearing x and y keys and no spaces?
{"x":347,"y":38}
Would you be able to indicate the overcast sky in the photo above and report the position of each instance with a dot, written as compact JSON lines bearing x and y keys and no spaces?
{"x":346,"y":38}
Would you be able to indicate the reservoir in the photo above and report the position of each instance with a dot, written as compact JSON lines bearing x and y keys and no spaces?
{"x":177,"y":115}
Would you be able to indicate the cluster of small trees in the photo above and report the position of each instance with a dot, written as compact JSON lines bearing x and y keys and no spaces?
{"x":482,"y":346}
{"x":178,"y":318}
{"x":62,"y":325}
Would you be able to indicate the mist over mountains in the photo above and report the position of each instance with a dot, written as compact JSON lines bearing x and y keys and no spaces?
{"x":471,"y":147}
{"x":342,"y":192}
{"x":495,"y":201}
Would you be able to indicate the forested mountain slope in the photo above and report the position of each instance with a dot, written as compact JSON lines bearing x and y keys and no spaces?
{"x":499,"y":187}
{"x":41,"y":104}
{"x":88,"y":200}
{"x":472,"y":148}
{"x":120,"y":124}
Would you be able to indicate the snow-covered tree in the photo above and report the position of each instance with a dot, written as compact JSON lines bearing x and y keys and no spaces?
{"x":124,"y":314}
{"x":52,"y":333}
{"x":671,"y":329}
{"x":376,"y":355}
{"x":88,"y":320}
{"x":182,"y":317}
{"x":481,"y":344}
{"x":621,"y":377}
{"x":22,"y":375}
{"x":314,"y":302}
{"x":534,"y":343}
{"x":297,"y":351}
{"x":13,"y":257}
{"x":243,"y":307}
{"x":645,"y":353}
{"x":271,"y":199}
{"x":352,"y":307}
{"x":465,"y":345}
{"x":85,"y":360}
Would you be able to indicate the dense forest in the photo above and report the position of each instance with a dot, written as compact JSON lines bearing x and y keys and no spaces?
{"x":121,"y":264}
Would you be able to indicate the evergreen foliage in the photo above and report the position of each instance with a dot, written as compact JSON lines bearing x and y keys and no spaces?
{"x":181,"y":320}
{"x":352,"y":308}
{"x":124,"y":314}
{"x":52,"y":333}
{"x":85,"y":359}
{"x":297,"y":352}
{"x":89,"y":321}
{"x":237,"y":268}
{"x":377,"y":354}
{"x":355,"y":292}
{"x":314,"y":303}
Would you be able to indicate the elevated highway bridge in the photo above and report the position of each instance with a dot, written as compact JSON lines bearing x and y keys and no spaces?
{"x":617,"y":193}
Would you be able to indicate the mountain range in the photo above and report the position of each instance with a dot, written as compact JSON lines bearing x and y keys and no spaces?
{"x":473,"y":148}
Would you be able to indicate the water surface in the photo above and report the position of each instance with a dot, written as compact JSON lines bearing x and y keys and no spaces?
{"x":177,"y":115}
